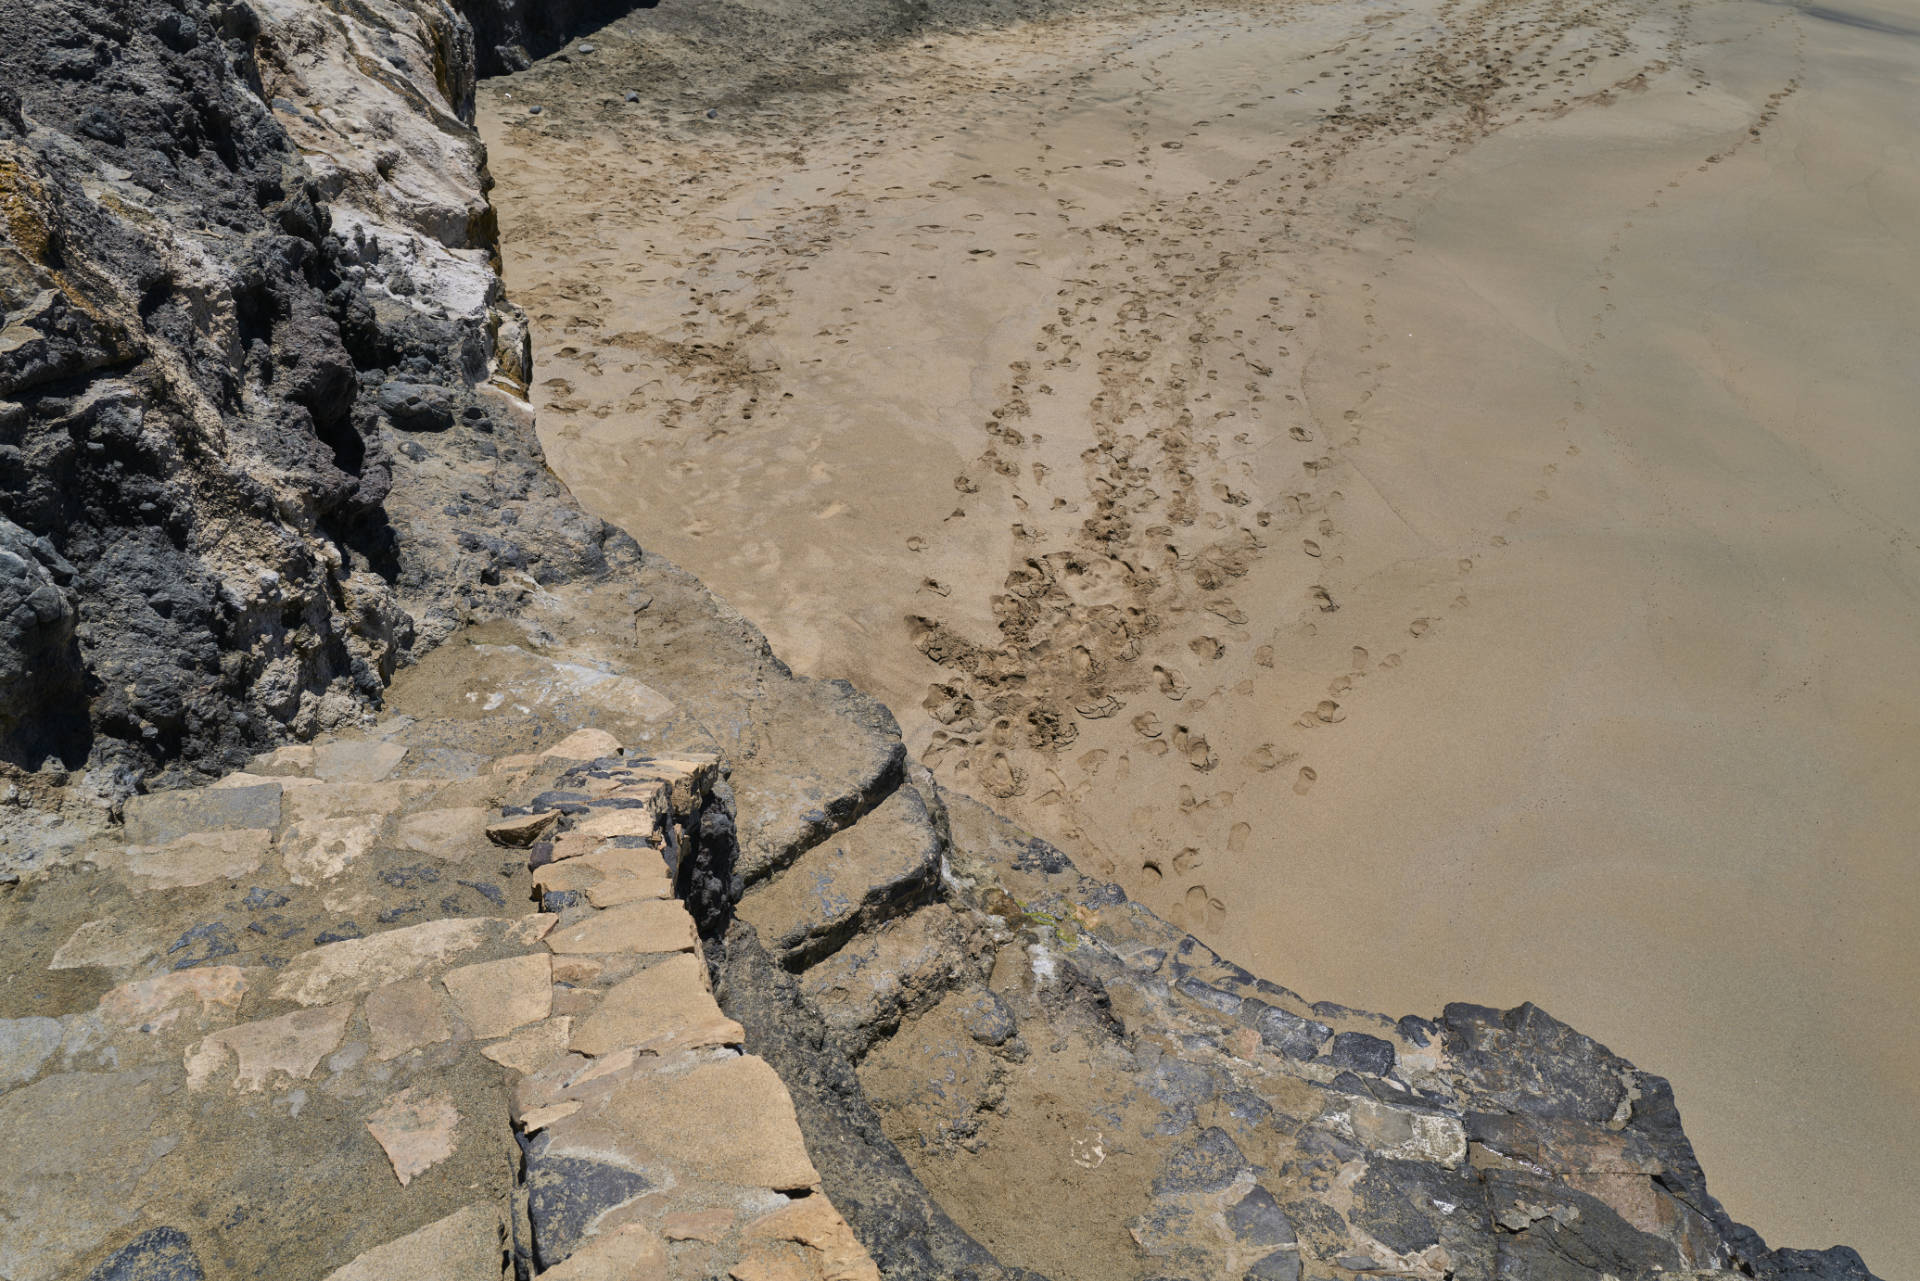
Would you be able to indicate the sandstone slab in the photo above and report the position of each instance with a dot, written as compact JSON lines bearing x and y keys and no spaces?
{"x":320,"y":849}
{"x":464,"y":1246}
{"x":495,"y":997}
{"x":444,"y":833}
{"x":357,"y":761}
{"x":667,"y":1006}
{"x":264,"y":1051}
{"x":198,"y":858}
{"x":416,"y":1130}
{"x":167,"y":816}
{"x":806,"y":1240}
{"x":532,"y":1048}
{"x":350,"y":968}
{"x":212,"y":992}
{"x":653,"y":925}
{"x":405,"y":1016}
{"x":584,"y":745}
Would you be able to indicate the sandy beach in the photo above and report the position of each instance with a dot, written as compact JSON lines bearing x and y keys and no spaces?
{"x":1425,"y":497}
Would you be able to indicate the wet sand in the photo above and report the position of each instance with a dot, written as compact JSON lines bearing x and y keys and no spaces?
{"x":1425,"y":498}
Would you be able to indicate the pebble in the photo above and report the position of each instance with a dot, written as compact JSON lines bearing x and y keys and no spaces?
{"x":534,"y":111}
{"x":633,"y":97}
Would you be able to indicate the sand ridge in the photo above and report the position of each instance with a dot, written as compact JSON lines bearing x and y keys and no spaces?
{"x":1049,"y":380}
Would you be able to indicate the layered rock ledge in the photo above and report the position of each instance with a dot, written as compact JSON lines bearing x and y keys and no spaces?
{"x":616,"y":949}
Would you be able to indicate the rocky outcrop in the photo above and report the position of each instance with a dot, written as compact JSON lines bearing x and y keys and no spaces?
{"x":259,"y":437}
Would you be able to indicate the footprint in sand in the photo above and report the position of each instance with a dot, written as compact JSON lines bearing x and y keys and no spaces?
{"x":1002,"y":777}
{"x":1420,"y":626}
{"x":1147,"y":724}
{"x":1170,"y":681}
{"x":1304,"y":781}
{"x":1238,"y":838}
{"x":1186,"y":860}
{"x":1264,"y":656}
{"x":1150,"y":872}
{"x":1202,"y":909}
{"x":1207,"y":647}
{"x":1328,"y":712}
{"x":1310,"y":547}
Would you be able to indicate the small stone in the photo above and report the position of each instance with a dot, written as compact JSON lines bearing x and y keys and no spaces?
{"x":292,"y":1044}
{"x":521,"y":830}
{"x":651,"y":925}
{"x":988,"y":1020}
{"x":1258,"y":1220}
{"x":495,"y":997}
{"x":416,"y":1129}
{"x":405,"y":1016}
{"x":633,"y":97}
{"x":461,"y":1247}
{"x":535,"y":110}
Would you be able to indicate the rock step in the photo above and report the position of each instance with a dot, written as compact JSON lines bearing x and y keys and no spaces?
{"x":651,"y":1145}
{"x":885,"y":864}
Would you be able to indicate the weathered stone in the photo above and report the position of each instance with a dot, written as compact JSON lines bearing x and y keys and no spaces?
{"x":464,"y":1246}
{"x":1281,"y":1265}
{"x":1287,"y":1033}
{"x":584,"y":745}
{"x":320,"y":849}
{"x":727,"y":1121}
{"x":113,"y":944}
{"x":629,"y":1252}
{"x":416,"y":1130}
{"x":1257,"y":1220}
{"x":25,"y":1047}
{"x":863,"y":990}
{"x":1362,"y":1053}
{"x":645,"y":822}
{"x":654,"y":925}
{"x":405,"y":1016}
{"x":495,"y":997}
{"x":667,"y":1006}
{"x":197,"y":858}
{"x":165,"y":817}
{"x":518,"y":831}
{"x":444,"y":833}
{"x":356,"y":760}
{"x":323,"y":801}
{"x":291,"y":1045}
{"x":341,"y":970}
{"x":158,"y":1254}
{"x":532,"y":1048}
{"x":155,"y":1004}
{"x":885,"y":862}
{"x":806,"y":1240}
{"x":567,"y":1195}
{"x":1210,"y":1163}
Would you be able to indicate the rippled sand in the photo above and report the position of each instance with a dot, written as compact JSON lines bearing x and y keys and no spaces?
{"x":1425,"y":497}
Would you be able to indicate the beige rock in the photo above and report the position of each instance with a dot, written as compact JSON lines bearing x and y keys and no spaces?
{"x":540,"y":1118}
{"x":417,"y":1131}
{"x":584,"y":745}
{"x":198,"y":858}
{"x":319,"y":849}
{"x":292,"y":1044}
{"x":575,"y":1000}
{"x":697,"y":1225}
{"x":521,"y":830}
{"x":295,"y":758}
{"x":155,"y":1004}
{"x":806,"y":1240}
{"x":624,"y":822}
{"x":464,"y":1246}
{"x":529,"y":930}
{"x":664,"y":1007}
{"x":340,"y":970}
{"x":615,"y":890}
{"x":653,"y":925}
{"x":404,"y":1016}
{"x":723,"y":1121}
{"x":495,"y":997}
{"x":338,"y":800}
{"x":532,"y":1048}
{"x":111,"y":944}
{"x":446,"y":833}
{"x":570,"y":845}
{"x":518,"y":762}
{"x":357,"y":760}
{"x":627,"y":1253}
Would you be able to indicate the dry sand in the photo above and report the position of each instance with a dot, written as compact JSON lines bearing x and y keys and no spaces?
{"x":1426,"y":497}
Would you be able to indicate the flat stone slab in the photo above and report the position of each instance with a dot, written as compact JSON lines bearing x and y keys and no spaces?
{"x":198,"y":858}
{"x":667,"y":1006}
{"x":496,"y":997}
{"x":652,"y":925}
{"x":728,"y":1121}
{"x":164,"y":818}
{"x":464,"y":1246}
{"x":886,"y":862}
{"x":355,"y":966}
